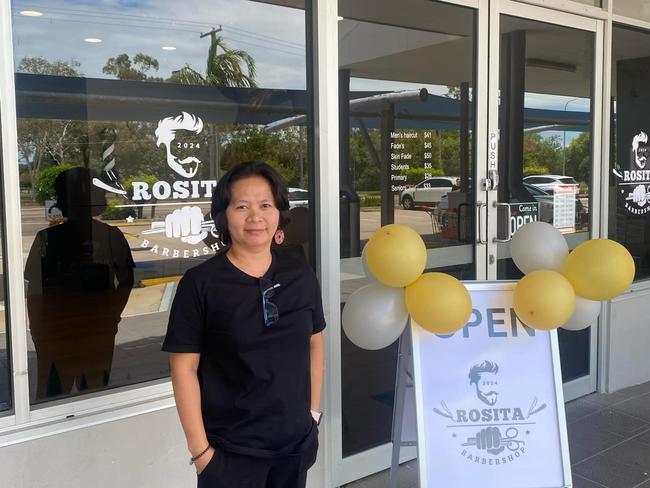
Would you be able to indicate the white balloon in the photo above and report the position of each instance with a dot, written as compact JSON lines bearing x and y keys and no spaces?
{"x":538,"y":245}
{"x":586,"y":314}
{"x":375,"y":316}
{"x":364,"y":265}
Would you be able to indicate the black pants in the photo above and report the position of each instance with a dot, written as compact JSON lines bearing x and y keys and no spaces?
{"x":230,"y":470}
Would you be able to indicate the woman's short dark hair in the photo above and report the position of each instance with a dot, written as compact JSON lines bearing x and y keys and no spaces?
{"x":248,"y":169}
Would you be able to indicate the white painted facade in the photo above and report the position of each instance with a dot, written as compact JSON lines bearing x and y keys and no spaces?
{"x":131,"y":437}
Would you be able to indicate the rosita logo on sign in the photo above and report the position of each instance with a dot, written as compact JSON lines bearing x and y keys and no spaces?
{"x":634,"y":183}
{"x":488,"y":433}
{"x":186,"y":223}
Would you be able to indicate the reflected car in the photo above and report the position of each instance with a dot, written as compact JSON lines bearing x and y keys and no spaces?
{"x":548,"y":183}
{"x":427,"y":192}
{"x":298,"y":197}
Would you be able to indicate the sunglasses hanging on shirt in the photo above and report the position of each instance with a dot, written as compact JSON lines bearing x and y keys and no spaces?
{"x":270,"y":309}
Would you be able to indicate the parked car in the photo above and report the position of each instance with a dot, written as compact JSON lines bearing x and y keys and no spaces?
{"x":549,"y":182}
{"x":298,"y":197}
{"x":428,"y":191}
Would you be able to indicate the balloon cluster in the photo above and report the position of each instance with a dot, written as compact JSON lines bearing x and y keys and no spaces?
{"x":376,"y":314}
{"x":562,"y":289}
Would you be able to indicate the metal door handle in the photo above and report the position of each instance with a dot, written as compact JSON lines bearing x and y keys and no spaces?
{"x":497,"y":205}
{"x":479,"y":211}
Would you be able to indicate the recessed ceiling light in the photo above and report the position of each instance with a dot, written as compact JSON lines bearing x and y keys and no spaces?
{"x":169,"y":48}
{"x":31,"y":13}
{"x":93,"y":40}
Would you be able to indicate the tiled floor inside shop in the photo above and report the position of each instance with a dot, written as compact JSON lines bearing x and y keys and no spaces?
{"x":609,"y":439}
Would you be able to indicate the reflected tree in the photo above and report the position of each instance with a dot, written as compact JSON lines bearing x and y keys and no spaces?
{"x":280,"y":149}
{"x":41,"y":66}
{"x":578,"y":158}
{"x":43,"y":143}
{"x":542,"y":152}
{"x":225,"y":67}
{"x":123,"y":68}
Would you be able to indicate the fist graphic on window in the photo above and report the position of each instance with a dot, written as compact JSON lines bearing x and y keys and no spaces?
{"x":639,"y":195}
{"x":186,"y":223}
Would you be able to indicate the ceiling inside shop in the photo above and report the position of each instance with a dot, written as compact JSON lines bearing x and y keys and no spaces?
{"x":628,"y":44}
{"x":559,"y":60}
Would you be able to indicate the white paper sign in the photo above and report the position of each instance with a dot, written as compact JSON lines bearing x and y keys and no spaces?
{"x":490,"y":409}
{"x":564,"y":206}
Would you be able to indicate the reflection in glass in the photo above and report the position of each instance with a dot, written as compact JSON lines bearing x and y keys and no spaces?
{"x":142,"y":125}
{"x":79,"y":276}
{"x":629,"y":178}
{"x":545,"y":154}
{"x":407,"y":156}
{"x":545,"y":159}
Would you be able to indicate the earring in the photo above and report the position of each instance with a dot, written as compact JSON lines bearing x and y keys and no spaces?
{"x":279,"y":237}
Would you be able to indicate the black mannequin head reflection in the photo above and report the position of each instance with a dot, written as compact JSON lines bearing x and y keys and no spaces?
{"x":76,"y":196}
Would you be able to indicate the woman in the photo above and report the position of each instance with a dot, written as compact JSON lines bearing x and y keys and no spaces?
{"x":246,"y":345}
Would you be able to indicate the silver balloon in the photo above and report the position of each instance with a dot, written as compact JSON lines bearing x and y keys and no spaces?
{"x":375,"y":316}
{"x":586,"y":314}
{"x":364,"y":265}
{"x":538,"y":245}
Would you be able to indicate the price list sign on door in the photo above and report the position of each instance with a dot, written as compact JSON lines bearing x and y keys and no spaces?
{"x":406,"y":147}
{"x":400,"y":159}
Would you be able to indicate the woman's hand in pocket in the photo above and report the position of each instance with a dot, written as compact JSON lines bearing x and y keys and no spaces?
{"x":204,"y":460}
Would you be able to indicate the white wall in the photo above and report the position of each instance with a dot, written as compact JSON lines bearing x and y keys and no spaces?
{"x":627,"y":341}
{"x":144,"y":451}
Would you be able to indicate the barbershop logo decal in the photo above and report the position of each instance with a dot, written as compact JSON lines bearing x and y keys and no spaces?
{"x":490,"y":434}
{"x":634,"y":184}
{"x":185,"y":224}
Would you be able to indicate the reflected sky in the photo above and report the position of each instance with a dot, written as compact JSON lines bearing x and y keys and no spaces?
{"x":274,"y":36}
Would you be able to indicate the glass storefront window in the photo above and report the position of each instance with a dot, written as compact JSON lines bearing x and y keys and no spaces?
{"x":406,"y":87}
{"x":545,"y":124}
{"x":629,"y":175}
{"x":545,"y":153}
{"x":128,"y":114}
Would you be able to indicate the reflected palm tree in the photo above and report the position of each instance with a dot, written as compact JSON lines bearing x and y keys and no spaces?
{"x":230,"y":67}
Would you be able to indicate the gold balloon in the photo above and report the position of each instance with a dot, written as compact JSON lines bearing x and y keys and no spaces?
{"x":544,"y":299}
{"x":439,"y":303}
{"x":396,"y":255}
{"x":599,"y":269}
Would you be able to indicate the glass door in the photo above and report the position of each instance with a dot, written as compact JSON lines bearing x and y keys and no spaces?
{"x":545,"y":113}
{"x":410,"y":96}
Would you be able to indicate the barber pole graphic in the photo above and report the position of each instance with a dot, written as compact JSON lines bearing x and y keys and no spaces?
{"x":108,"y":157}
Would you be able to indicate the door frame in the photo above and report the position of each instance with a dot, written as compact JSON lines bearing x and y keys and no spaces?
{"x":351,"y":468}
{"x":344,"y":470}
{"x":586,"y":384}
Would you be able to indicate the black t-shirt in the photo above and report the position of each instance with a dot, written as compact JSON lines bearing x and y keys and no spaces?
{"x":255,"y":380}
